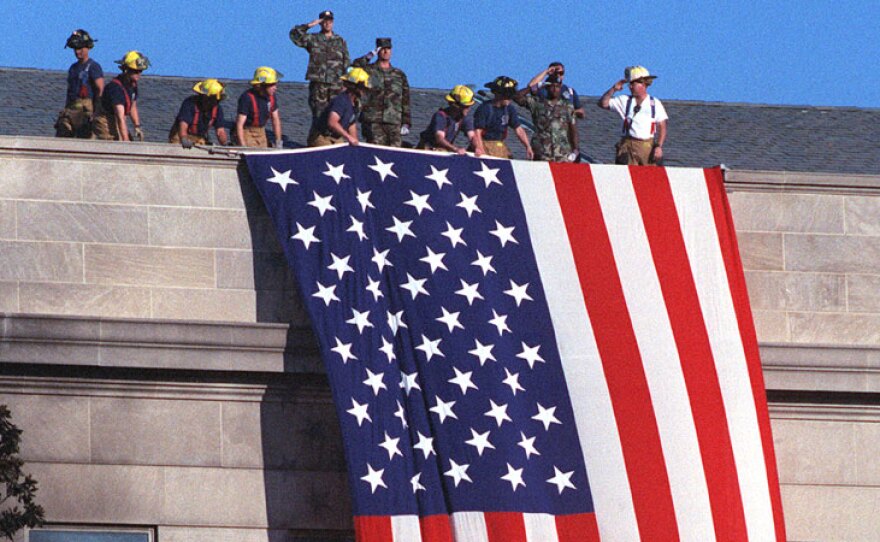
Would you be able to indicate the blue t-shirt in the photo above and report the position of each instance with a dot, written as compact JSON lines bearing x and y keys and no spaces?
{"x":342,"y":106}
{"x":116,"y":92}
{"x":265,"y":106}
{"x":568,"y":93}
{"x":495,"y":120}
{"x":443,"y":121}
{"x":187,"y":114}
{"x":81,"y":80}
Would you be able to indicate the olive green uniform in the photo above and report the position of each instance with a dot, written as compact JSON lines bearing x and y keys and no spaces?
{"x":552,"y":119}
{"x":328,"y":60}
{"x":386,"y":105}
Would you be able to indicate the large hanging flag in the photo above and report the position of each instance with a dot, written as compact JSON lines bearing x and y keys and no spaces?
{"x":523,"y":351}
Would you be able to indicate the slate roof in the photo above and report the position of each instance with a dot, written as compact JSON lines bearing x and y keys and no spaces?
{"x":741,"y":136}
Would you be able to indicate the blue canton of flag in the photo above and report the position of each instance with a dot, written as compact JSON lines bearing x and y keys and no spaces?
{"x":418,"y":274}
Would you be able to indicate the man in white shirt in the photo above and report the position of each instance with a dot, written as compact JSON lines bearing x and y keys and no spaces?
{"x":644,"y":117}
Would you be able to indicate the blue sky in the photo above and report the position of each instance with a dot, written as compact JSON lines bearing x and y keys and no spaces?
{"x":773,"y":52}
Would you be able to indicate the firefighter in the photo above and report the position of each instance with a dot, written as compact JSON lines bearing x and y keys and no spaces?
{"x":493,"y":118}
{"x":643,"y":131}
{"x":338,"y":122}
{"x":448,"y":121}
{"x":85,"y":83}
{"x":199,"y":113}
{"x":255,"y":107}
{"x":119,"y":101}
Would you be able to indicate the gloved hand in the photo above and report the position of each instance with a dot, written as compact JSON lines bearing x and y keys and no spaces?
{"x":573,"y":156}
{"x":404,"y":130}
{"x":138,"y":133}
{"x":186,"y":143}
{"x":279,"y":144}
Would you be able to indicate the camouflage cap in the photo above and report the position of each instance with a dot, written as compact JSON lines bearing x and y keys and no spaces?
{"x":383,"y":42}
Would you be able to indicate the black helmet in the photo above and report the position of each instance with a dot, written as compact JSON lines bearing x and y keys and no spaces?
{"x":503,"y":85}
{"x":79,"y":39}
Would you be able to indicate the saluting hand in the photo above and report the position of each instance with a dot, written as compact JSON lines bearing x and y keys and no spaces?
{"x":618,"y":86}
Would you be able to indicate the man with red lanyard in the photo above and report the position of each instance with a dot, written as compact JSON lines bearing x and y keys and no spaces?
{"x":338,"y":123}
{"x":85,"y":83}
{"x":120,"y":100}
{"x":449,"y":121}
{"x":644,"y":117}
{"x":199,"y":113}
{"x":255,"y":107}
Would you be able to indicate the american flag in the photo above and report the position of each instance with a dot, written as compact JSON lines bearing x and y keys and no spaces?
{"x":523,"y":351}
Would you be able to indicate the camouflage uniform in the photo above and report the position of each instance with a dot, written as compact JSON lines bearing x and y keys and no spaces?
{"x":328,"y":60}
{"x":552,"y":120}
{"x":386,"y":106}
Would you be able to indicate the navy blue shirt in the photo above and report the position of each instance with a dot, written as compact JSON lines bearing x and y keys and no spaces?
{"x":342,"y":106}
{"x":117,"y":93}
{"x":187,"y":114}
{"x":495,"y":120}
{"x":265,"y":106}
{"x":567,"y":93}
{"x":81,"y":80}
{"x":443,"y":121}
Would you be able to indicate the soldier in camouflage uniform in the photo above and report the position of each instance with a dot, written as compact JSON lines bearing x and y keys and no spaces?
{"x":385,"y":115}
{"x":555,"y":138}
{"x":328,"y":60}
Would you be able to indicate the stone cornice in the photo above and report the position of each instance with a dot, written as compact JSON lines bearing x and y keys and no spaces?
{"x":806,"y":182}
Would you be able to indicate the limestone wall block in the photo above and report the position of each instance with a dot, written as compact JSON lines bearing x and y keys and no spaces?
{"x":148,"y":266}
{"x":774,"y":211}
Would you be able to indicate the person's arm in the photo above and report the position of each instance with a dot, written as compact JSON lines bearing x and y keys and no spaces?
{"x":345,"y":59}
{"x":276,"y":127}
{"x":222,"y":138}
{"x":299,"y":34}
{"x":136,"y":120}
{"x":605,"y":100}
{"x":520,"y":97}
{"x":404,"y":103}
{"x":99,"y":84}
{"x":182,"y":129}
{"x":121,"y":126}
{"x":239,"y":128}
{"x":336,"y":127}
{"x":477,"y":142}
{"x":364,"y":61}
{"x":353,"y":133}
{"x":440,"y":141}
{"x":661,"y":138}
{"x":573,"y":137}
{"x":538,"y":78}
{"x":524,"y":139}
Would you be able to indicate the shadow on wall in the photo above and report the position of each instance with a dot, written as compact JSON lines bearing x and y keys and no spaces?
{"x":304,"y":473}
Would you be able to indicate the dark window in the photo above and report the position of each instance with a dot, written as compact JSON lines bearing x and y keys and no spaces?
{"x":89,"y":535}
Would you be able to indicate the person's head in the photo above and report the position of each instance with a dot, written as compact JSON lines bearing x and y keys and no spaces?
{"x":503,"y":89}
{"x":211,"y":91}
{"x":639,"y":79}
{"x":557,"y":69}
{"x":80,"y":41}
{"x":460,"y":99}
{"x":553,"y":84}
{"x":384,"y":46}
{"x":356,"y":81}
{"x":326,"y":18}
{"x":265,"y":80}
{"x":132,"y":64}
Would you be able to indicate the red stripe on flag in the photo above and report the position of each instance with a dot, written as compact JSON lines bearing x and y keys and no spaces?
{"x":616,"y":342}
{"x":436,"y":528}
{"x":692,"y":340}
{"x":577,"y":528}
{"x":736,"y":279}
{"x":505,"y":526}
{"x":373,"y":529}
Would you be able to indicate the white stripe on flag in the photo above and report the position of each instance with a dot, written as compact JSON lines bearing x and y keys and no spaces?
{"x":659,"y":352}
{"x":584,"y":374}
{"x":540,"y":528}
{"x":469,"y":527}
{"x":694,"y":209}
{"x":406,"y":529}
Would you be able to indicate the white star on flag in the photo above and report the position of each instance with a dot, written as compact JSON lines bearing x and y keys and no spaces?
{"x":383,"y":169}
{"x":504,"y":234}
{"x":458,"y":472}
{"x":416,"y":485}
{"x":306,"y":235}
{"x":435,"y":260}
{"x":340,"y":265}
{"x":344,"y":350}
{"x":518,"y":292}
{"x":414,"y":286}
{"x":514,"y":476}
{"x":439,"y":177}
{"x":562,"y":480}
{"x":499,"y":412}
{"x":326,"y":293}
{"x":463,"y":380}
{"x":425,"y":445}
{"x":469,"y":204}
{"x":453,"y":234}
{"x":400,"y":228}
{"x":483,"y":352}
{"x":512,"y":380}
{"x":336,"y":172}
{"x":359,"y":411}
{"x":364,"y":199}
{"x":357,"y":227}
{"x":450,"y":319}
{"x":381,"y":259}
{"x":419,"y":202}
{"x":360,"y":319}
{"x":546,"y":416}
{"x":373,"y":288}
{"x":395,"y":321}
{"x":530,"y":354}
{"x":387,"y":348}
{"x":374,"y":380}
{"x":484,"y":263}
{"x":500,"y":322}
{"x":528,"y":444}
{"x":400,"y":413}
{"x":469,"y":291}
{"x":480,"y":441}
{"x":430,"y":348}
{"x":391,"y":446}
{"x":408,"y":382}
{"x":281,"y":179}
{"x":443,"y":409}
{"x":322,"y":203}
{"x":374,"y":478}
{"x":489,"y":175}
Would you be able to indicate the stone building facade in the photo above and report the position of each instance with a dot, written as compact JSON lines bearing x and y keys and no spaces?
{"x":154,"y":352}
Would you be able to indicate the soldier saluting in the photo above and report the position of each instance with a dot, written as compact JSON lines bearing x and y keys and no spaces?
{"x":386,"y":114}
{"x":328,"y":60}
